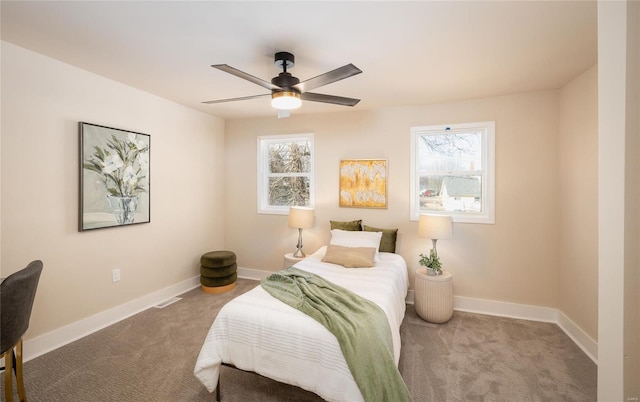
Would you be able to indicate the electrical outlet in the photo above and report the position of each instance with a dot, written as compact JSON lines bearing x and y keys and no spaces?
{"x":115,"y":275}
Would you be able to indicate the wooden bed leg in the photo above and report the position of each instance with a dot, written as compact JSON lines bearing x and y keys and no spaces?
{"x":218,"y":389}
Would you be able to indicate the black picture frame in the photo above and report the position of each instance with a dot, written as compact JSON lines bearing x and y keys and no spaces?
{"x":115,"y":179}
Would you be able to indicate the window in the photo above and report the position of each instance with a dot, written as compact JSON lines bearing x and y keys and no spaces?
{"x":285,"y":172}
{"x":452,"y":171}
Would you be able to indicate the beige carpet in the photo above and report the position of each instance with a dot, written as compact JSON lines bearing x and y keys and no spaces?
{"x":151,"y":356}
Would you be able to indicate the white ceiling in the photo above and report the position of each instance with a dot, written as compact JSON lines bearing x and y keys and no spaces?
{"x":410,"y":52}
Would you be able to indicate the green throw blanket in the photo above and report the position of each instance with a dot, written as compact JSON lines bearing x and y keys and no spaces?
{"x":360,"y":326}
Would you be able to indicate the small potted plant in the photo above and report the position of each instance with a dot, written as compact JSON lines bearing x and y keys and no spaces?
{"x":432,"y":263}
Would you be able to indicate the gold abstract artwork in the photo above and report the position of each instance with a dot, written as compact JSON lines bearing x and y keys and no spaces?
{"x":363,"y":183}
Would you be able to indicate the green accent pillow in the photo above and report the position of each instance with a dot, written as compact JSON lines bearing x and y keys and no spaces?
{"x":389,"y":237}
{"x":351,"y":225}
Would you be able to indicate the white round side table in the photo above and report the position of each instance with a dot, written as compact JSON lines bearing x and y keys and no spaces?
{"x":434,"y":296}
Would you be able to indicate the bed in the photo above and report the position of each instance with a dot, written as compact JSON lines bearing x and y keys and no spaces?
{"x":256,"y":332}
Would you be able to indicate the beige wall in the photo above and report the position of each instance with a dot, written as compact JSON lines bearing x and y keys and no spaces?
{"x":42,"y":102}
{"x":515,"y":260}
{"x":578,"y":202}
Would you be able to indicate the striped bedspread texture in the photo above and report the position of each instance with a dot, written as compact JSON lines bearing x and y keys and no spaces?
{"x":256,"y":332}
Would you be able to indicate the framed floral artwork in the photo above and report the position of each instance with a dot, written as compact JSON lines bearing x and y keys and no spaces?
{"x":114,"y":177}
{"x":363,"y":183}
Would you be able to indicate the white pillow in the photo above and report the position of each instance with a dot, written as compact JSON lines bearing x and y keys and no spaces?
{"x":353,"y":238}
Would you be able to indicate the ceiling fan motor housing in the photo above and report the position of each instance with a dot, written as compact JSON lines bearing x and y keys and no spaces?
{"x":285,"y":81}
{"x":284,"y":60}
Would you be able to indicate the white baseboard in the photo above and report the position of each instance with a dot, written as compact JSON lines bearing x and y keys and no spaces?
{"x":584,"y":341}
{"x":62,"y":336}
{"x":255,"y":274}
{"x":526,"y":312}
{"x":59,"y":337}
{"x":504,"y":309}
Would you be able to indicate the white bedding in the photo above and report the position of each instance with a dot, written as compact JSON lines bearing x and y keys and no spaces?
{"x":256,"y":332}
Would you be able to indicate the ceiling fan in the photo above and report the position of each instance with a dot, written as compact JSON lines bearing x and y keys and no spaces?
{"x":287,"y":92}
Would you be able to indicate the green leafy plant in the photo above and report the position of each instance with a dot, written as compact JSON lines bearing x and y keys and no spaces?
{"x":432,"y":261}
{"x":123,"y":165}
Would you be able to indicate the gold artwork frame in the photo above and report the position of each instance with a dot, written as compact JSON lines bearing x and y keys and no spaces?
{"x":363,"y":183}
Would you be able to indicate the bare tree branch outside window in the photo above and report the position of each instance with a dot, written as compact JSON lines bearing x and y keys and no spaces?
{"x":289,"y":167}
{"x":450,"y":162}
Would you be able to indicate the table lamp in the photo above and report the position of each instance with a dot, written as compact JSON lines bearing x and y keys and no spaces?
{"x":301,"y":218}
{"x":435,"y":227}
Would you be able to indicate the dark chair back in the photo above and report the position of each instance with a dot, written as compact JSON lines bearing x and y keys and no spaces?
{"x":17,"y":293}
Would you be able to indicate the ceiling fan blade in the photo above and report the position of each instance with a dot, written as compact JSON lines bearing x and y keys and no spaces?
{"x":235,"y":99}
{"x":336,"y":100}
{"x":327,"y":78}
{"x":241,"y":74}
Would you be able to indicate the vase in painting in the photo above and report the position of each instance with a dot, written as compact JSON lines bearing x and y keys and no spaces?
{"x":123,"y":208}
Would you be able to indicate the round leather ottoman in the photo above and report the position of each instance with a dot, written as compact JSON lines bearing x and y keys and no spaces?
{"x":218,"y":271}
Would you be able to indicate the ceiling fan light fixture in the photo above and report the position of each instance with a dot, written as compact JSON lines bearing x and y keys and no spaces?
{"x":286,"y":100}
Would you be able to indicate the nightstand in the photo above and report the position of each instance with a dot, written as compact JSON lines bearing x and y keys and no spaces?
{"x":290,"y":260}
{"x":434,"y":296}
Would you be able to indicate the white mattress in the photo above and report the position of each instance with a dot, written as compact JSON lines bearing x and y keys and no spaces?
{"x":257,"y":332}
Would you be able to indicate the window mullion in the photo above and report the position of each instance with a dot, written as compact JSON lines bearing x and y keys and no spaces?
{"x":290,"y":174}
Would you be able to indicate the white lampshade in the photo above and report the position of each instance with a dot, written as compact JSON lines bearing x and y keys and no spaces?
{"x":301,"y":217}
{"x":286,"y":100}
{"x":435,"y":226}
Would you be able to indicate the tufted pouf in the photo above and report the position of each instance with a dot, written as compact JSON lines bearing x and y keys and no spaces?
{"x":218,"y":271}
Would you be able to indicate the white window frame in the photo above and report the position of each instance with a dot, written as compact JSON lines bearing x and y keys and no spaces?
{"x":487,"y":128}
{"x":263,"y":172}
